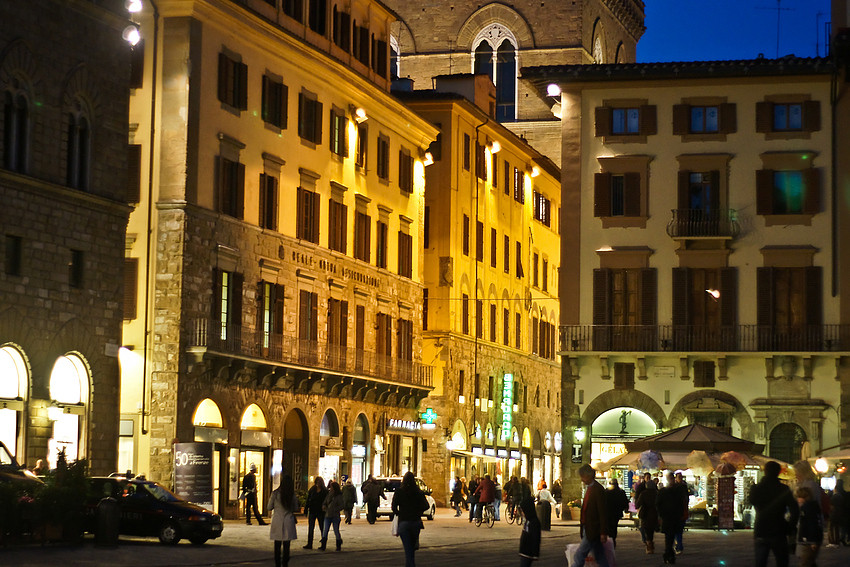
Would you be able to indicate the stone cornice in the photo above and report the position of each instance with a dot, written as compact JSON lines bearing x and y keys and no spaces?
{"x":630,"y":14}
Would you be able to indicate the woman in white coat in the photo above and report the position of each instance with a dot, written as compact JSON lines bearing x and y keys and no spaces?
{"x":283,"y":505}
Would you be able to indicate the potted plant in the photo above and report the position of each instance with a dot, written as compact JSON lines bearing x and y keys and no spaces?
{"x":574,"y":506}
{"x":59,"y":503}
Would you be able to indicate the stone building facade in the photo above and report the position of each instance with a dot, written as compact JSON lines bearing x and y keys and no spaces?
{"x":434,"y":38}
{"x":730,"y":309}
{"x":63,"y":81}
{"x":491,"y":257}
{"x":282,"y":296}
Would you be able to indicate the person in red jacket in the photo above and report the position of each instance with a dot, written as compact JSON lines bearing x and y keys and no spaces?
{"x":594,"y":519}
{"x":486,"y":493}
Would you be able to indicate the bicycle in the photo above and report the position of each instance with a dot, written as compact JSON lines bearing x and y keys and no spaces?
{"x":511,"y":512}
{"x":487,"y":516}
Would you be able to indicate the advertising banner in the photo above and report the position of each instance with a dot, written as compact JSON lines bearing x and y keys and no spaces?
{"x":193,"y":473}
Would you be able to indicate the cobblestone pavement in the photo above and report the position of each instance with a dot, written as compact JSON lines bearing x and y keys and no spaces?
{"x":447,"y":541}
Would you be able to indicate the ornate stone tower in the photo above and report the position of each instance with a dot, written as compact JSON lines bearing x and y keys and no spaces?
{"x":440,"y":37}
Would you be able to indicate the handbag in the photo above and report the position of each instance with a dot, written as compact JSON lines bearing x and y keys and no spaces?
{"x":394,"y":528}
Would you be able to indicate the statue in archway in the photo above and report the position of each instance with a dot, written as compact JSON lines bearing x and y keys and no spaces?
{"x":623,"y":416}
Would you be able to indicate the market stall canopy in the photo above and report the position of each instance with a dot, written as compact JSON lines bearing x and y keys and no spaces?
{"x":689,"y":438}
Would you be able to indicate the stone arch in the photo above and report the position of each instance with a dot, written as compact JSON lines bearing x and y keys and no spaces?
{"x":740,"y":413}
{"x":403,"y":37}
{"x":624,"y":398}
{"x":599,"y":37}
{"x":80,"y":92}
{"x":19,"y":68}
{"x":620,"y":53}
{"x":495,"y":14}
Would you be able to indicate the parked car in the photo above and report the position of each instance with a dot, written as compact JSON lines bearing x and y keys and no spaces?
{"x":149,"y":509}
{"x":391,"y":484}
{"x":12,"y":472}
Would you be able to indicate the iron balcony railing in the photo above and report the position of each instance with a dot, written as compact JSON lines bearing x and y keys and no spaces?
{"x":685,"y":338}
{"x":251,"y":343}
{"x":695,"y":223}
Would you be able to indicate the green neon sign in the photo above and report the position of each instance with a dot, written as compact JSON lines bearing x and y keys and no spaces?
{"x":430,"y":416}
{"x":507,"y":405}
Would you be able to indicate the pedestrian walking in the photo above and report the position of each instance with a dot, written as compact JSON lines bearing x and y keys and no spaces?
{"x":332,"y":506}
{"x":313,"y":509}
{"x":408,"y":504}
{"x":283,"y":504}
{"x":545,"y":501}
{"x":617,"y":503}
{"x":529,"y":539}
{"x":349,"y":499}
{"x":249,"y":495}
{"x":372,"y":492}
{"x":457,"y":497}
{"x":685,"y":495}
{"x":557,"y":494}
{"x":594,"y":519}
{"x":472,"y":500}
{"x":669,"y":505}
{"x":497,"y":498}
{"x":772,"y":501}
{"x":648,"y":513}
{"x":810,"y":530}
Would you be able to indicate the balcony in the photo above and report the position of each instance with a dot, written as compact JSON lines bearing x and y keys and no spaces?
{"x":252,"y":344}
{"x":697,"y":223}
{"x":683,"y":338}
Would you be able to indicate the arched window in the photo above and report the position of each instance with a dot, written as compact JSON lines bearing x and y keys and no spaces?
{"x":79,"y":148}
{"x":253,"y":419}
{"x":69,"y":392}
{"x":207,"y":414}
{"x":15,"y":132}
{"x":14,"y":381}
{"x":786,"y":442}
{"x":330,"y":425}
{"x":494,"y":54}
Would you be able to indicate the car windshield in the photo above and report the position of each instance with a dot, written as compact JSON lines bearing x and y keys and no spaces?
{"x":160,"y":492}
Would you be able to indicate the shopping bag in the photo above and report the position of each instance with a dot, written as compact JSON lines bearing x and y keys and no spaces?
{"x":357,"y":512}
{"x":394,"y":528}
{"x":608,"y":546}
{"x":570,"y":552}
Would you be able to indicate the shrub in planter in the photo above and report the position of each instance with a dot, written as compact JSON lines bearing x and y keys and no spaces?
{"x":59,"y":503}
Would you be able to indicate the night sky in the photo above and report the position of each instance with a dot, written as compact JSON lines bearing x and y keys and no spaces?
{"x":704,"y":30}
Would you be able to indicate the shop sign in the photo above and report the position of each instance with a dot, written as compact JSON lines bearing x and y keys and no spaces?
{"x":404,"y":424}
{"x":490,"y":452}
{"x":515,"y":454}
{"x":507,"y":405}
{"x":429,"y":417}
{"x":358,"y":451}
{"x":477,"y":451}
{"x":606,"y":451}
{"x":193,"y":473}
{"x":503,"y":453}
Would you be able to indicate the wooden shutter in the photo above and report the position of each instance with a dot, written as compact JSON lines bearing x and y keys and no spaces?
{"x":764,"y":116}
{"x":316,"y":205}
{"x":714,"y":179}
{"x":648,"y":120}
{"x":602,"y":194}
{"x":728,"y":118}
{"x":318,"y":122}
{"x":765,"y":315}
{"x":684,"y":201}
{"x":263,"y":197}
{"x":304,"y":315}
{"x":632,"y":196}
{"x":681,"y":296}
{"x":814,"y":295}
{"x":131,"y":283}
{"x":284,"y":112}
{"x":302,"y":116}
{"x":137,"y":65}
{"x":601,"y":296}
{"x":343,"y":323}
{"x":728,"y":296}
{"x":301,"y":207}
{"x":764,"y":192}
{"x":277,"y":314}
{"x":216,"y":302}
{"x":681,"y":119}
{"x":221,"y":197}
{"x":239,"y":183}
{"x":603,"y":121}
{"x":811,"y":195}
{"x":648,"y":296}
{"x":134,"y":173}
{"x":811,"y":115}
{"x":242,"y":97}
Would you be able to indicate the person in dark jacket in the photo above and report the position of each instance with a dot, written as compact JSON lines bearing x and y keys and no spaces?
{"x":685,"y":495}
{"x":349,"y":499}
{"x":249,"y":493}
{"x":670,"y":510}
{"x":408,"y":504}
{"x":529,"y":539}
{"x":648,"y":514}
{"x":772,"y":501}
{"x":810,"y":531}
{"x":836,"y":514}
{"x":471,"y":489}
{"x":594,"y":519}
{"x":372,"y":492}
{"x":458,"y":496}
{"x":313,"y":509}
{"x":332,"y":506}
{"x":617,"y":503}
{"x":485,"y":494}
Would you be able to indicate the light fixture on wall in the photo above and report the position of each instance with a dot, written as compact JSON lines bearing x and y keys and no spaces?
{"x":358,"y":113}
{"x":713,"y":293}
{"x":428,"y":159}
{"x":133,"y":6}
{"x":131,"y":35}
{"x":494,"y":146}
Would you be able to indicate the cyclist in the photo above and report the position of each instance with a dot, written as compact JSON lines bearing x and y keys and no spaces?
{"x":486,"y":493}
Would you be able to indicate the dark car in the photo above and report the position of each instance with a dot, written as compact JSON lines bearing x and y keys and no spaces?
{"x":12,"y":472}
{"x":149,"y":509}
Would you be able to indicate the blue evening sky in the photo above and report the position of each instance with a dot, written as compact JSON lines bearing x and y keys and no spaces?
{"x":705,"y":30}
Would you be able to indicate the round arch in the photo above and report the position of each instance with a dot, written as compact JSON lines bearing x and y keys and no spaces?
{"x":14,"y":390}
{"x":329,"y":426}
{"x":70,"y":381}
{"x":786,"y":442}
{"x":253,"y":418}
{"x":492,"y":14}
{"x":626,"y":398}
{"x":719,"y":402}
{"x":207,"y":414}
{"x":598,"y":44}
{"x":296,"y":442}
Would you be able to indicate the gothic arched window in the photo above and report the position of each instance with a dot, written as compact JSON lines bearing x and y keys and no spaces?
{"x":495,"y":55}
{"x":79,"y":140}
{"x":15,"y":132}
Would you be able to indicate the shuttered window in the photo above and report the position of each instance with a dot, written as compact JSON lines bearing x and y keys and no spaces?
{"x":131,"y":288}
{"x":230,"y":187}
{"x":232,"y":82}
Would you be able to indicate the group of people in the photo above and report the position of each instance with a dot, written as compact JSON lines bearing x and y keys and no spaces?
{"x":664,"y":508}
{"x":324,"y":506}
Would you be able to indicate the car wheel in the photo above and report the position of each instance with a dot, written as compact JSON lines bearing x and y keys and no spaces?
{"x":169,"y":533}
{"x":431,"y":515}
{"x":198,"y":540}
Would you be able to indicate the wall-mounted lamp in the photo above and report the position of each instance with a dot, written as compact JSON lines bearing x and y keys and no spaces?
{"x":131,"y":35}
{"x":713,"y":293}
{"x":556,"y":110}
{"x":553,"y":90}
{"x":821,"y":465}
{"x":358,"y":113}
{"x":535,"y":171}
{"x":428,"y":159}
{"x":494,"y":146}
{"x":133,"y":6}
{"x":579,"y":434}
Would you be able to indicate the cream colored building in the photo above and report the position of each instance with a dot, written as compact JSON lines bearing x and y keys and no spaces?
{"x":704,"y":280}
{"x":491,"y":257}
{"x":278,"y":240}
